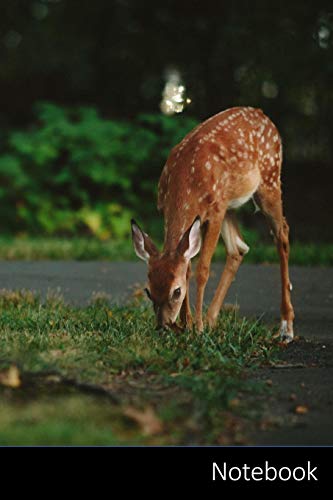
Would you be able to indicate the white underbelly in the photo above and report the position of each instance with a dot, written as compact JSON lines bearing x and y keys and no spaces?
{"x":238,"y":202}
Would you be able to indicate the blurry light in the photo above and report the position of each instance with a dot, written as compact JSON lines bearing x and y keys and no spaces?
{"x":324,"y":30}
{"x":12,"y":39}
{"x":39,"y":11}
{"x":269,"y":89}
{"x":323,"y":37}
{"x":174,"y":97}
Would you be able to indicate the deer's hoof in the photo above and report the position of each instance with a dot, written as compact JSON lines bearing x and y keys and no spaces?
{"x":199,"y":326}
{"x":211,"y":321}
{"x":286,"y":331}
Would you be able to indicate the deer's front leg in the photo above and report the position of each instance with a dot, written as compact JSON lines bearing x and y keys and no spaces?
{"x":236,"y":249}
{"x":203,"y":268}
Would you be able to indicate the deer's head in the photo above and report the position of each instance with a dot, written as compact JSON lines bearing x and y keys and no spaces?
{"x":167,"y":271}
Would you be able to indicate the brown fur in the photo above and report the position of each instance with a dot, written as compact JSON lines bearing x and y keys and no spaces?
{"x":216,"y":167}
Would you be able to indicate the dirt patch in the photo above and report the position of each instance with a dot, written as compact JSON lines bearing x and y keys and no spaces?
{"x":299,"y":410}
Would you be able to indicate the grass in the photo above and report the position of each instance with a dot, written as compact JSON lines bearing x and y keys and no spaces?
{"x":46,"y":248}
{"x":97,"y":375}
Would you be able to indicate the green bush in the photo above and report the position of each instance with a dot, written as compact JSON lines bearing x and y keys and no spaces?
{"x":74,"y":172}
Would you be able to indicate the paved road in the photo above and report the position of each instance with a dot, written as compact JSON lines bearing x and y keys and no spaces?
{"x":256,"y":290}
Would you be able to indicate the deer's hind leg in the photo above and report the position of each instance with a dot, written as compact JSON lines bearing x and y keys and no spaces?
{"x":236,"y":248}
{"x":270,"y":202}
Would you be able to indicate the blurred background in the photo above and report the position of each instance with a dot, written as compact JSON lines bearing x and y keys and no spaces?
{"x":94,"y":94}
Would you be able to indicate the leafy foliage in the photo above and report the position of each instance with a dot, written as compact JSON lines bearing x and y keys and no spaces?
{"x":74,"y":171}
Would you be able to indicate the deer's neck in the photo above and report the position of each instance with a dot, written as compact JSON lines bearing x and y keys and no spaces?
{"x":175,"y":225}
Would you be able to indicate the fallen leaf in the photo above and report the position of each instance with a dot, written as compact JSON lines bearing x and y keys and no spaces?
{"x":301,"y":410}
{"x":138,"y":291}
{"x":269,"y":382}
{"x":10,"y":377}
{"x":224,"y":440}
{"x":265,"y":425}
{"x":147,"y":419}
{"x":292,"y":397}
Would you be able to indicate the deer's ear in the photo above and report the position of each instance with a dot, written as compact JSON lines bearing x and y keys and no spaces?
{"x":190,"y":243}
{"x":143,"y":245}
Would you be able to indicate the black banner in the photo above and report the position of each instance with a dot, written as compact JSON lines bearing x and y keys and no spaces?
{"x":216,"y":469}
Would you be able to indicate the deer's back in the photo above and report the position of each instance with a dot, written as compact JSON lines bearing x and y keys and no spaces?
{"x":221,"y":160}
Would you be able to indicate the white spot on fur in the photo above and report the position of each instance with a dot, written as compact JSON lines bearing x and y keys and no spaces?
{"x":208,"y":165}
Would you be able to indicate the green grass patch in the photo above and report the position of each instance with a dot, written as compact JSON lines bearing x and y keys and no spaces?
{"x":97,"y":375}
{"x":46,"y":248}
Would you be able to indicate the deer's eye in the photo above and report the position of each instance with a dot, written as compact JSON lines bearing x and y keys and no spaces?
{"x":148,"y":293}
{"x":176,"y":293}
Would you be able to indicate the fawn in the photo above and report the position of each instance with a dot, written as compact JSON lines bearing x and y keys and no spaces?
{"x":226,"y":160}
